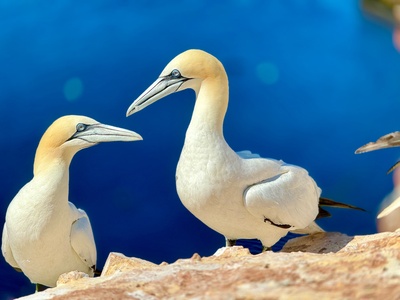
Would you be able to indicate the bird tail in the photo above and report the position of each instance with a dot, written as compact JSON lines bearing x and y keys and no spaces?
{"x":328,"y":202}
{"x":322,"y":213}
{"x":310,"y":229}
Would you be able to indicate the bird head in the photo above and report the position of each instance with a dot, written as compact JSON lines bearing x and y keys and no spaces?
{"x":187,"y":70}
{"x":387,"y":141}
{"x":69,"y":134}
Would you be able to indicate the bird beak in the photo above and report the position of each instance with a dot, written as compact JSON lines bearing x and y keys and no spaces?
{"x":162,"y":87}
{"x":99,"y":133}
{"x":386,"y":141}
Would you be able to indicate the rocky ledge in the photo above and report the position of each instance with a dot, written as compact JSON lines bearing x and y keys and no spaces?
{"x":320,"y":266}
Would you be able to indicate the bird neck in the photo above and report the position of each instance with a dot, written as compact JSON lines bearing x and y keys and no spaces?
{"x":211,"y":105}
{"x":51,"y":178}
{"x":52,"y":161}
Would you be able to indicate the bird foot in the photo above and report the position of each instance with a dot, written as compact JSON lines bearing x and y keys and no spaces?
{"x":230,"y":243}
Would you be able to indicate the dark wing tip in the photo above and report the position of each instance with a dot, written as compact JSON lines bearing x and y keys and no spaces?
{"x":322,"y":213}
{"x":328,"y":202}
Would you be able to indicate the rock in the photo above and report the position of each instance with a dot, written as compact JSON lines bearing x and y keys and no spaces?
{"x":70,"y":277}
{"x":323,"y":242}
{"x":321,"y":266}
{"x":117,"y":262}
{"x":230,"y":252}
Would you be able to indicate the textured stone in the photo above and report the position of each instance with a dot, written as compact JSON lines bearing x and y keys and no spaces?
{"x":321,"y":266}
{"x":318,"y":243}
{"x":117,"y":262}
{"x":70,"y":277}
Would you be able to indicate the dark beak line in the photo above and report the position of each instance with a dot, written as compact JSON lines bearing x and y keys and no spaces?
{"x":393,"y":167}
{"x":149,"y":91}
{"x":91,"y":131}
{"x":163,"y":86}
{"x":169,"y":82}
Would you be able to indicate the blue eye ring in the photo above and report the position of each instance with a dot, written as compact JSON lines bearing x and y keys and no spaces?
{"x":175,"y":73}
{"x":80,"y":127}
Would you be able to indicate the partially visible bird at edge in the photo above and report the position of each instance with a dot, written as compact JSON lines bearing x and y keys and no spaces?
{"x":387,"y":141}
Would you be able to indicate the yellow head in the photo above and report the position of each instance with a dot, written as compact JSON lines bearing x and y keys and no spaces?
{"x":69,"y":134}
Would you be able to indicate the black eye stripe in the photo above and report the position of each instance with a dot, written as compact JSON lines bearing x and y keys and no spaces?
{"x":80,"y":127}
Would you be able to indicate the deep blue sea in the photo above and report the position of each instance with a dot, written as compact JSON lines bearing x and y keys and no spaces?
{"x":310,"y":82}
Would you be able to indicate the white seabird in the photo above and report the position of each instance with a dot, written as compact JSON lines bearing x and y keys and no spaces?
{"x":237,"y":194}
{"x":44,"y":235}
{"x":387,"y":141}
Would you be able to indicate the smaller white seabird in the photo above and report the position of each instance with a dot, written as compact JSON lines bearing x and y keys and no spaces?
{"x":387,"y":141}
{"x":240,"y":195}
{"x":45,"y":235}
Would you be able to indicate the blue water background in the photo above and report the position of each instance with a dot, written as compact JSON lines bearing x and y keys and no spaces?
{"x":310,"y":82}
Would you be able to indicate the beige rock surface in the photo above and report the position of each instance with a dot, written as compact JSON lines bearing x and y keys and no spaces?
{"x":321,"y":266}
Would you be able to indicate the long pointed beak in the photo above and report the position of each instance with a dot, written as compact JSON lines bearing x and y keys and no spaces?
{"x":162,"y":87}
{"x":99,"y":133}
{"x":386,"y":141}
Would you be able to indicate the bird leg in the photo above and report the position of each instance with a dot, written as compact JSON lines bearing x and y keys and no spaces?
{"x":264,"y":249}
{"x":96,"y":272}
{"x":230,"y":243}
{"x":40,"y":287}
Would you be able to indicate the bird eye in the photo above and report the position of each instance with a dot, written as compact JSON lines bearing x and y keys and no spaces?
{"x":175,"y":73}
{"x":80,"y":127}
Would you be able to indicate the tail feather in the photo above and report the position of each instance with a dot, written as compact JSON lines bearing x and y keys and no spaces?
{"x":310,"y":229}
{"x":328,"y":202}
{"x":322,"y":213}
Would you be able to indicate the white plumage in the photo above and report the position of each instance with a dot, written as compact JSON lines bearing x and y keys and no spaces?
{"x":237,"y":194}
{"x":44,"y":234}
